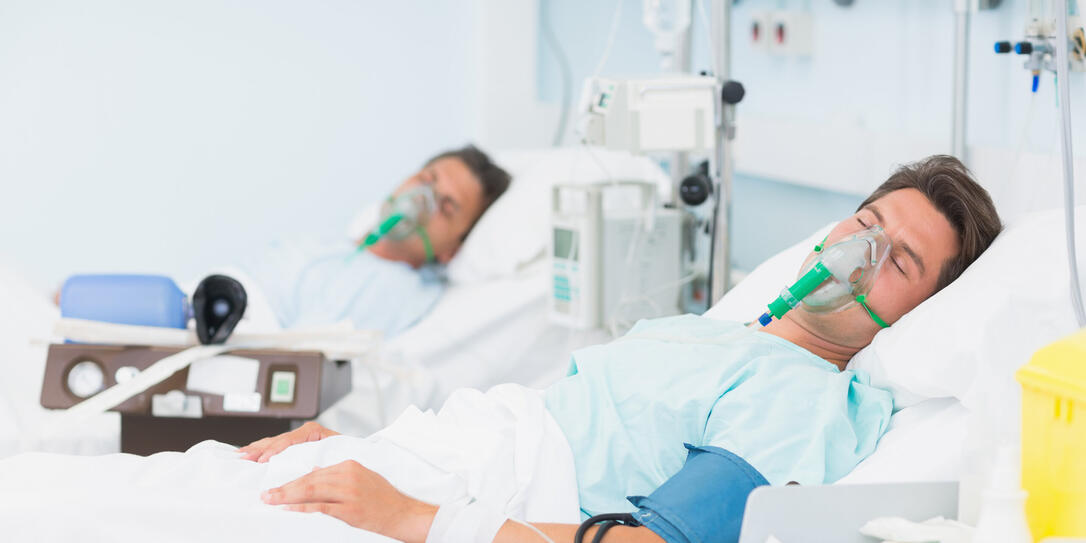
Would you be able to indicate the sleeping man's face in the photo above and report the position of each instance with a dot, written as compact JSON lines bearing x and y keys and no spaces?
{"x":923,"y":240}
{"x":459,"y":200}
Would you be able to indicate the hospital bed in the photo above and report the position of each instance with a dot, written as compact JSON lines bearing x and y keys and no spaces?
{"x":506,"y":338}
{"x":943,"y":369}
{"x":489,"y":327}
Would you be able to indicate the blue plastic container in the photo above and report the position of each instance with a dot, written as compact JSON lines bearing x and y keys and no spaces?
{"x":145,"y":300}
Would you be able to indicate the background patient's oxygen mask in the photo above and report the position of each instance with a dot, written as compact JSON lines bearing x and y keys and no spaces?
{"x":838,"y":277}
{"x":403,"y":215}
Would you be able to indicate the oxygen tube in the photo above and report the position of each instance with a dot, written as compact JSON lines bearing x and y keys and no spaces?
{"x":791,"y":296}
{"x":840,"y":276}
{"x":402,"y":216}
{"x":377,"y":233}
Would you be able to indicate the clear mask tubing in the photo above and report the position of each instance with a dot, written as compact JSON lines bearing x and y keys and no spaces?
{"x":839,"y":276}
{"x":403,"y":216}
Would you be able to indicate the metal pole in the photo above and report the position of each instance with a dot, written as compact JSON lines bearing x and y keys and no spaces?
{"x":1068,"y":156}
{"x":720,"y":267}
{"x":680,"y":161}
{"x":961,"y":75}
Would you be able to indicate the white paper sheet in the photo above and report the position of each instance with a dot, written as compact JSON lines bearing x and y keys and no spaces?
{"x":224,"y":374}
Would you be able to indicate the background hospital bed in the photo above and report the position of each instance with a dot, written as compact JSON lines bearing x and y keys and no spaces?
{"x":489,"y":327}
{"x":478,"y":335}
{"x":505,"y":338}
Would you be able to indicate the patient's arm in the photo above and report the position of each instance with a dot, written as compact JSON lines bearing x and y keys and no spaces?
{"x":262,"y":450}
{"x":513,"y":532}
{"x":364,"y":499}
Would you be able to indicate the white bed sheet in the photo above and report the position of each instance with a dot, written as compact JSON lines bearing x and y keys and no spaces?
{"x":501,"y":448}
{"x":26,"y":315}
{"x":478,"y":335}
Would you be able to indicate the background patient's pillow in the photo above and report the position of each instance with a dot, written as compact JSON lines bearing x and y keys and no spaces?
{"x":513,"y":232}
{"x":966,"y":341}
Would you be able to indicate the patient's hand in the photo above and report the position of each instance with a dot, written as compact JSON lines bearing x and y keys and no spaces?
{"x":262,"y":450}
{"x":358,"y":496}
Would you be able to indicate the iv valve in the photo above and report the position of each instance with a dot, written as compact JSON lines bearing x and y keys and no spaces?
{"x":1038,"y":49}
{"x":1039,"y":46}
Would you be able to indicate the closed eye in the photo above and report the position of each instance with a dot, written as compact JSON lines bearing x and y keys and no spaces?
{"x":895,"y":260}
{"x":448,"y":206}
{"x":897,"y":264}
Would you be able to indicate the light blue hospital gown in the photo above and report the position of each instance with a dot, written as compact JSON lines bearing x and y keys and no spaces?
{"x":630,"y":405}
{"x":310,"y":283}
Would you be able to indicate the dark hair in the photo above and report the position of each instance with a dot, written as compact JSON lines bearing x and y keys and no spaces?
{"x":493,"y":179}
{"x":950,"y":187}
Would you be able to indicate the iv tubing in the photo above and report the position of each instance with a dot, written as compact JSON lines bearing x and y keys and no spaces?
{"x":1063,"y":85}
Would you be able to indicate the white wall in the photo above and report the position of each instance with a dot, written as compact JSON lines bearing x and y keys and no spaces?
{"x":875,"y":92}
{"x":164,"y":136}
{"x":506,"y":111}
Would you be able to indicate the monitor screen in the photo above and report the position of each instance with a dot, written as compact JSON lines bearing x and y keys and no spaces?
{"x":564,"y":244}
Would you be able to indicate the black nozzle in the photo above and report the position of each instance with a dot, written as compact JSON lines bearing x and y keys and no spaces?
{"x":1023,"y":48}
{"x":1002,"y":47}
{"x":218,"y":305}
{"x":733,"y":92}
{"x":696,"y":187}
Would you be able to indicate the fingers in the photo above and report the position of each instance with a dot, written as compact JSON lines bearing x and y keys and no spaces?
{"x":331,"y":509}
{"x":319,"y":486}
{"x":274,"y":447}
{"x":262,"y":450}
{"x":253,"y":450}
{"x":312,"y":431}
{"x":309,"y":431}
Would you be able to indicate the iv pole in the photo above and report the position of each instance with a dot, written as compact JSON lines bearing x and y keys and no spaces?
{"x":722,"y":165}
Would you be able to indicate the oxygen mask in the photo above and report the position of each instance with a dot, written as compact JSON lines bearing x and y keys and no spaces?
{"x":836,"y":277}
{"x":404,"y":215}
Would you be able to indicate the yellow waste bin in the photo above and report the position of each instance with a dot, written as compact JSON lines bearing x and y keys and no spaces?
{"x":1054,"y":438}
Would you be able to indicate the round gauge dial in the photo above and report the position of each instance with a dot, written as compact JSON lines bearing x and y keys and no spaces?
{"x":125,"y":373}
{"x":86,"y":378}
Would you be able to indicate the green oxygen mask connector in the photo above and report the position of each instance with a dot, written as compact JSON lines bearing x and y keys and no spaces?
{"x":386,"y":226}
{"x":383,"y":228}
{"x":403,"y":216}
{"x":793,"y":295}
{"x":837,"y":277}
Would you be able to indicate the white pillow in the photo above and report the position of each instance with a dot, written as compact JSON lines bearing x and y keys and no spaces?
{"x":1012,"y":301}
{"x":924,"y":442}
{"x":513,"y":232}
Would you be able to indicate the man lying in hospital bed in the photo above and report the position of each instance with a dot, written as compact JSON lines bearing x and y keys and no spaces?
{"x":390,"y":277}
{"x":754,"y":407}
{"x":387,"y":280}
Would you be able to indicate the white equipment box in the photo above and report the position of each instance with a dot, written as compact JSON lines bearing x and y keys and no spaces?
{"x":665,"y":113}
{"x":613,"y":261}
